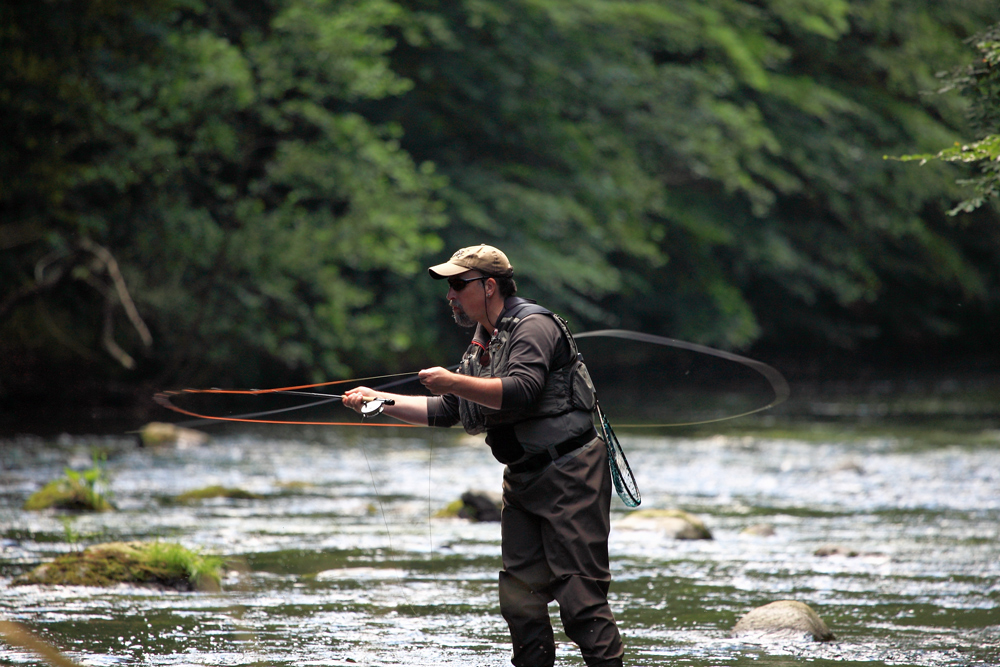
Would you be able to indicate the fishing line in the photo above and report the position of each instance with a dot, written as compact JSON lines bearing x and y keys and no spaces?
{"x":163,"y":398}
{"x":430,"y":486}
{"x":199,"y":422}
{"x":778,"y":385}
{"x":777,"y":381}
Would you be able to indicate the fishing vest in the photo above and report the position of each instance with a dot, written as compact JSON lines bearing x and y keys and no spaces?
{"x":566,"y":388}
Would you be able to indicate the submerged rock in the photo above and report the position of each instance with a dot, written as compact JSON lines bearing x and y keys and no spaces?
{"x":835,"y":550}
{"x":759,"y":530}
{"x":838,"y":551}
{"x":157,"y":564}
{"x":161,"y":434}
{"x":216,"y":491}
{"x":677,"y":524}
{"x":782,"y":621}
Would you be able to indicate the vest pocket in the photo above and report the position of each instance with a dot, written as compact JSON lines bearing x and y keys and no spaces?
{"x":504,"y":444}
{"x":584,"y":396}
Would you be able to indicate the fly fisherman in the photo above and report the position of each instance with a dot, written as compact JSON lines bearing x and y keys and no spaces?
{"x":522,"y":382}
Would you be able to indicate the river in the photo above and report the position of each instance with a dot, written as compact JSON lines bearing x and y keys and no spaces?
{"x":342,"y":561}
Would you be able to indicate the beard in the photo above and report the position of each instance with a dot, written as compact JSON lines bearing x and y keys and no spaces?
{"x":461,"y":319}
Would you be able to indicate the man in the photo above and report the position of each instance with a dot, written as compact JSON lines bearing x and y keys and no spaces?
{"x":523,"y":383}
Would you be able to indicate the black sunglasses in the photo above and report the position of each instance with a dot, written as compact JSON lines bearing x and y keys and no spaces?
{"x":459,"y":284}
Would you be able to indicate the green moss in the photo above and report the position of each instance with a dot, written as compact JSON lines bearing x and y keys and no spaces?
{"x":160,"y":563}
{"x":451,"y":510}
{"x":217,"y":491}
{"x":76,"y":491}
{"x":296,"y":486}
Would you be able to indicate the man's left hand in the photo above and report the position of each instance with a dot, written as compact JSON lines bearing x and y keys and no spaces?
{"x":438,"y":380}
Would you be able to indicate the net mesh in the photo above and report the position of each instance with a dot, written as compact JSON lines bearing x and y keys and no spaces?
{"x":621,"y":473}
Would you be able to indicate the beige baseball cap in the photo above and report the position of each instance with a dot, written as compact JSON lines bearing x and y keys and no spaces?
{"x":483,"y":258}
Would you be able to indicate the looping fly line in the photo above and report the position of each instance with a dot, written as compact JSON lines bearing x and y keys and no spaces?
{"x":374,"y":406}
{"x":777,"y":381}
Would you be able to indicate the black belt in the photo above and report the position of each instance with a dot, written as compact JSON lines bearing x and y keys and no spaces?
{"x":542,"y":459}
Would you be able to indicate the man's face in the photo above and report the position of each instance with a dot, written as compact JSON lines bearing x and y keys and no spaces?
{"x":467,"y":303}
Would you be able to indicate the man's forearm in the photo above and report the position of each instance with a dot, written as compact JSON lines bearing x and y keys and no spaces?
{"x":410,"y":409}
{"x":484,"y":391}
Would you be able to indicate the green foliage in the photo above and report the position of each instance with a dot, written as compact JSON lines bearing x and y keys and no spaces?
{"x":980,"y":84}
{"x":710,"y":170}
{"x":167,"y":561}
{"x":81,"y":491}
{"x":270,"y":178}
{"x":70,"y":533}
{"x":255,"y":214}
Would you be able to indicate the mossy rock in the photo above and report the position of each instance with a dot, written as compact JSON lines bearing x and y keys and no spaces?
{"x":475,"y":506}
{"x":782,"y":621}
{"x":70,"y":494}
{"x":678,"y":524}
{"x":451,"y":510}
{"x":217,"y":491}
{"x":159,"y":564}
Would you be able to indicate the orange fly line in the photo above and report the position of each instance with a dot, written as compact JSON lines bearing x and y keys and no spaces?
{"x":163,"y":398}
{"x":778,"y":385}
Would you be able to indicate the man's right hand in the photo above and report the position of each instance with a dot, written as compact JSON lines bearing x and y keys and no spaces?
{"x":354,"y":398}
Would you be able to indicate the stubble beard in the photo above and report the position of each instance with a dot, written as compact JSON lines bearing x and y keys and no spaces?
{"x":461,"y":319}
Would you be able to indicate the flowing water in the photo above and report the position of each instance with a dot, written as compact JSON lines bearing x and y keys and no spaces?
{"x":342,"y":562}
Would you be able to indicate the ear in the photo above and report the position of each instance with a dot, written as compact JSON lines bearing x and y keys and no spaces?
{"x":491,"y":286}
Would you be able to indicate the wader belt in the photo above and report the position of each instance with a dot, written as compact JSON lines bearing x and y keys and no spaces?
{"x":542,"y":459}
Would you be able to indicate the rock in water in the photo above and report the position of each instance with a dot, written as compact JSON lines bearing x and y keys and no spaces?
{"x":759,"y":530}
{"x":160,"y":434}
{"x":480,"y":506}
{"x":782,"y":621}
{"x":676,"y":524}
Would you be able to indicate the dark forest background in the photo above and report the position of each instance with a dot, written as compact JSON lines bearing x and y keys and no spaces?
{"x":246,"y":194}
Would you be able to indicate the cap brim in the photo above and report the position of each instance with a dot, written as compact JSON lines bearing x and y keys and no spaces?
{"x":446,"y":270}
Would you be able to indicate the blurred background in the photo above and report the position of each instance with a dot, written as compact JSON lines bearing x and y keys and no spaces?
{"x":247,"y":194}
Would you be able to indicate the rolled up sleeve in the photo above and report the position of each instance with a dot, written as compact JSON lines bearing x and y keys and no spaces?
{"x":533,"y":346}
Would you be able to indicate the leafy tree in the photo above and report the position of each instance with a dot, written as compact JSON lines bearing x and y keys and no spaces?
{"x":234,"y":193}
{"x":979,"y":82}
{"x":256,"y":218}
{"x":709,"y":170}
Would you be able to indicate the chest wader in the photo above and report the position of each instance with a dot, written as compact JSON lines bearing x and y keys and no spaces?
{"x":549,"y":553}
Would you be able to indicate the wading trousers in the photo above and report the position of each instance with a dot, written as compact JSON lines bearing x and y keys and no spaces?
{"x":555,"y":527}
